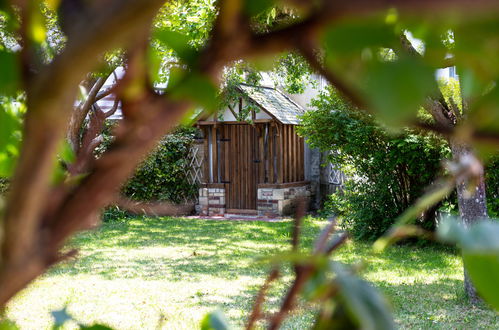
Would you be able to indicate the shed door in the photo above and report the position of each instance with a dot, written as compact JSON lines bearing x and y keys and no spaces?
{"x":240,"y":166}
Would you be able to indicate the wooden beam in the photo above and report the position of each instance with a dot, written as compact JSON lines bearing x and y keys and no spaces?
{"x":261,"y":154}
{"x":284,"y":185}
{"x":214,"y":153}
{"x":241,"y":211}
{"x":212,"y":122}
{"x":206,"y":159}
{"x":233,"y":112}
{"x":280,"y":154}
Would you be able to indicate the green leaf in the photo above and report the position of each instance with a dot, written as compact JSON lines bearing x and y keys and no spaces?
{"x":66,"y":153}
{"x":366,"y":306}
{"x":353,"y":36}
{"x":7,"y":164}
{"x":196,"y":88}
{"x":9,"y":72}
{"x":480,"y":246}
{"x":8,"y":325}
{"x":179,"y":43}
{"x":214,"y":321}
{"x":479,"y":237}
{"x":95,"y":327}
{"x":8,"y":125}
{"x":37,"y":30}
{"x":396,"y":90}
{"x":256,"y":7}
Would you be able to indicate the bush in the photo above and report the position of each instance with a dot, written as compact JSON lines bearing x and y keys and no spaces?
{"x":492,"y":186}
{"x":387,"y":172}
{"x":115,"y":214}
{"x":4,"y":186}
{"x":162,"y":175}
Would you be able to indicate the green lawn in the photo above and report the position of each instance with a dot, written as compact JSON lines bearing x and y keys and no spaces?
{"x":168,"y":272}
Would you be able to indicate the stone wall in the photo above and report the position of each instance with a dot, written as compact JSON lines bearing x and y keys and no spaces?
{"x":273,"y":202}
{"x":212,"y":201}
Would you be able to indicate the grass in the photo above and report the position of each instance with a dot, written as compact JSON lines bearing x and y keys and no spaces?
{"x":168,"y":272}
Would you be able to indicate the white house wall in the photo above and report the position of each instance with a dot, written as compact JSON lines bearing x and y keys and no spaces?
{"x":228,"y":116}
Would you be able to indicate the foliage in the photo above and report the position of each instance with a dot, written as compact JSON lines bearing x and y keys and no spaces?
{"x":163,"y":175}
{"x":293,"y":73}
{"x":492,"y":185}
{"x":353,"y":47}
{"x":11,"y":113}
{"x":480,"y":249}
{"x":4,"y":186}
{"x":114,"y":214}
{"x":386,"y":173}
{"x":230,"y":93}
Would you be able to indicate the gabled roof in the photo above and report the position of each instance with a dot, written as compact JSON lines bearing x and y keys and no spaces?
{"x":275,"y":103}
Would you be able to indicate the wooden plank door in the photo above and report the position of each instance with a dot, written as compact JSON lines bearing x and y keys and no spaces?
{"x":241,"y":167}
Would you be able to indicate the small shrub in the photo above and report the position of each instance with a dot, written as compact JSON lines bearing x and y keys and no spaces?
{"x":115,"y":214}
{"x":492,"y":186}
{"x":162,"y":175}
{"x":4,"y":186}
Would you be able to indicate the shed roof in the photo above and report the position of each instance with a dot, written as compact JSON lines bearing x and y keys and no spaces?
{"x":274,"y":102}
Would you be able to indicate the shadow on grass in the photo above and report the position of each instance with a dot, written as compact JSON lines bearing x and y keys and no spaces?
{"x":179,"y":249}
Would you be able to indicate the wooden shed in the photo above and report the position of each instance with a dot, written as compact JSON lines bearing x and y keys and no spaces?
{"x":253,"y":165}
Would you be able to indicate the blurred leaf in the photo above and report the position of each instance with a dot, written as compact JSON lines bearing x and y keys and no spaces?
{"x":37,"y":30}
{"x":154,"y":63}
{"x":256,"y":7}
{"x":484,"y":112}
{"x":214,"y":321}
{"x":6,"y":165}
{"x":60,"y":317}
{"x":8,"y":325}
{"x":66,"y":152}
{"x":179,"y":43}
{"x":471,"y":85}
{"x":479,"y":237}
{"x":197,"y":88}
{"x":477,"y":44}
{"x":95,"y":327}
{"x":438,"y":191}
{"x":8,"y":125}
{"x":353,"y":36}
{"x":484,"y":272}
{"x":480,"y":246}
{"x":337,"y":318}
{"x":53,"y":4}
{"x":397,"y":89}
{"x":59,"y":173}
{"x":9,"y":72}
{"x":316,"y":286}
{"x":367,"y":307}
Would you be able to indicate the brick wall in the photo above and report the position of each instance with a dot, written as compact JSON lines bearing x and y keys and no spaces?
{"x":212,"y":201}
{"x":273,"y":202}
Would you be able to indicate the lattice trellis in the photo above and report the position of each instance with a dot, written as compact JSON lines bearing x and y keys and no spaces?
{"x":194,"y":170}
{"x":335,"y":176}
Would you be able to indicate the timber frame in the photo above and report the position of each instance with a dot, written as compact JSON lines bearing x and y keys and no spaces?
{"x":251,"y":167}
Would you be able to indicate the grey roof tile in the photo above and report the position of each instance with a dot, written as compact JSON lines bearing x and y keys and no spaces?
{"x":274,"y":102}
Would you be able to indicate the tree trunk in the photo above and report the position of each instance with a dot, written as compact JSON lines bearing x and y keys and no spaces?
{"x":472,"y":208}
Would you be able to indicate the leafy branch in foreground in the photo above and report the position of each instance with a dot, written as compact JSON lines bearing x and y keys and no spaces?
{"x":344,"y":299}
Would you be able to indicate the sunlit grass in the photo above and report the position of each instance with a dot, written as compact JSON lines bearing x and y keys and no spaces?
{"x":169,"y":272}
